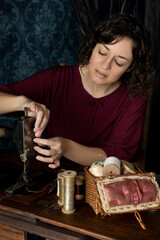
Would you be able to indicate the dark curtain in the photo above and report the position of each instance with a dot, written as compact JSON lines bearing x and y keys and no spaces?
{"x":153,"y":146}
{"x":90,"y":12}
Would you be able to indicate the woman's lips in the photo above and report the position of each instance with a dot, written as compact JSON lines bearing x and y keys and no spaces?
{"x":100,"y":74}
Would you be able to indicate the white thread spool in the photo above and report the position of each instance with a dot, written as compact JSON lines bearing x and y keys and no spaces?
{"x":69,"y":190}
{"x":112,"y":166}
{"x":96,"y":170}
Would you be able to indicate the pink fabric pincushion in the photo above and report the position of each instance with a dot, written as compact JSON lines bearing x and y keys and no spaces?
{"x":130,"y":191}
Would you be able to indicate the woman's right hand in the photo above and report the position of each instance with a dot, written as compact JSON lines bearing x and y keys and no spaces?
{"x":13,"y":103}
{"x":40,"y":113}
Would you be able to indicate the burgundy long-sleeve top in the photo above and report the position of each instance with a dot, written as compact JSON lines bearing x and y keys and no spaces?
{"x":113,"y":122}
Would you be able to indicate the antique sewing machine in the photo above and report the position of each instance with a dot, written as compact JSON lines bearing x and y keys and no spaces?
{"x":21,"y":180}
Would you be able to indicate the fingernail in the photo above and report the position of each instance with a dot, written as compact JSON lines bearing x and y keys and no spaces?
{"x":51,"y":165}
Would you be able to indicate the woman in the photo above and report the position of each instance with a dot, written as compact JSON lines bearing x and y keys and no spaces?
{"x":95,"y":109}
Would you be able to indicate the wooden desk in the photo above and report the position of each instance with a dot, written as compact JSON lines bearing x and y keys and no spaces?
{"x":43,"y":217}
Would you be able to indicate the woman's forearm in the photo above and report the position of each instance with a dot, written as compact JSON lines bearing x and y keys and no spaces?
{"x":11,"y":103}
{"x":82,"y":154}
{"x":74,"y":151}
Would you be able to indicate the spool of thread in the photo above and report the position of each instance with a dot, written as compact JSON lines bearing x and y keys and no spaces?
{"x":100,"y":162}
{"x":96,"y":170}
{"x":58,"y":176}
{"x":112,"y":166}
{"x":128,"y":167}
{"x":60,"y":188}
{"x":80,"y":187}
{"x":69,"y":191}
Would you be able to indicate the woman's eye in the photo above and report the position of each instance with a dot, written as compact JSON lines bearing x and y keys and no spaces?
{"x":120,"y":65}
{"x":101,"y":53}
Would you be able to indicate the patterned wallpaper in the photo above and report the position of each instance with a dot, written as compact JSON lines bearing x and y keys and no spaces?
{"x":35,"y":35}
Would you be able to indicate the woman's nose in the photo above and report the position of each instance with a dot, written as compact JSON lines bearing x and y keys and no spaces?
{"x":107,"y":63}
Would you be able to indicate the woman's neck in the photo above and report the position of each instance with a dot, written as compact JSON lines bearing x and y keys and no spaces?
{"x":95,"y":90}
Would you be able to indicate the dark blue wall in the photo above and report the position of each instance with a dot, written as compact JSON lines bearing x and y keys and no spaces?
{"x":35,"y":35}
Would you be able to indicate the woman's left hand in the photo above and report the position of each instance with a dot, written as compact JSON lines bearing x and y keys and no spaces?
{"x":54,"y":152}
{"x":41,"y":114}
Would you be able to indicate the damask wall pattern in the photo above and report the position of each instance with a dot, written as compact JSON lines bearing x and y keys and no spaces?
{"x":35,"y":35}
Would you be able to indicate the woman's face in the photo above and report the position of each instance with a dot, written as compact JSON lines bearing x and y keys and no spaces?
{"x":108,"y":62}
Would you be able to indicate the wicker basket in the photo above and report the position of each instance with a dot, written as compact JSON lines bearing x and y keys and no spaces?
{"x":91,"y":193}
{"x":94,"y":196}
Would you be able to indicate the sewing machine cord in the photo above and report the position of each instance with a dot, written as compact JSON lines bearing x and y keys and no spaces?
{"x":9,"y":194}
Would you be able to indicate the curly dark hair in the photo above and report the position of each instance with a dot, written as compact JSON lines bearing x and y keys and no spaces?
{"x":139,"y":80}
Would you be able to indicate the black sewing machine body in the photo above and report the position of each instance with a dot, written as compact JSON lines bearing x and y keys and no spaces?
{"x":21,"y":179}
{"x":15,"y":130}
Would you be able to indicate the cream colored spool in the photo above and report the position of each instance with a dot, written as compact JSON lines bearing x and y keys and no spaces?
{"x":59,"y":175}
{"x":60,"y":188}
{"x":129,"y":167}
{"x":69,"y":190}
{"x":112,"y":166}
{"x":96,"y":170}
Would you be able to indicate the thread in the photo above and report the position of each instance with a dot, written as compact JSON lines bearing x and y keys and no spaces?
{"x":100,"y":162}
{"x":69,"y":191}
{"x":96,"y":170}
{"x":128,"y":167}
{"x":79,"y":195}
{"x":59,"y":175}
{"x":112,"y":166}
{"x":60,"y":188}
